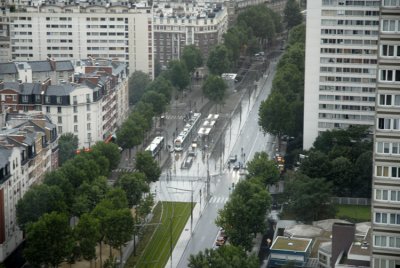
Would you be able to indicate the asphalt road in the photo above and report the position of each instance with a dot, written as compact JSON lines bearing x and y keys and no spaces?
{"x":241,"y":132}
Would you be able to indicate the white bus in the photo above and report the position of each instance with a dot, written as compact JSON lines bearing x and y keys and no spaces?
{"x":188,"y":131}
{"x":156,"y":146}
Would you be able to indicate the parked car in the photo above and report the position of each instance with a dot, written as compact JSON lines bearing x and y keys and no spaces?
{"x":233,"y":159}
{"x":237,"y":166}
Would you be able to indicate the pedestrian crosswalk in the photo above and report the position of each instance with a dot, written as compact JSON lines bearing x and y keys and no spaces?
{"x":124,"y":170}
{"x":218,"y":200}
{"x":174,"y":117}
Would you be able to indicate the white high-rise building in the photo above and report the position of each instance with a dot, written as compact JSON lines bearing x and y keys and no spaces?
{"x":386,"y":170}
{"x":340,"y":65}
{"x":67,"y":31}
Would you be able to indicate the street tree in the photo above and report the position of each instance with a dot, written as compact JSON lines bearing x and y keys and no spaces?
{"x":294,"y":55}
{"x":129,"y":135}
{"x":110,"y":151}
{"x":134,"y":185}
{"x":137,"y":83}
{"x":101,"y":213}
{"x":341,"y":176}
{"x":219,"y":60}
{"x":232,"y":42}
{"x":362,"y":181}
{"x":226,"y":256}
{"x":40,"y":199}
{"x":49,"y":240}
{"x":308,"y":199}
{"x":87,"y":234}
{"x":289,"y":81}
{"x":80,"y":169}
{"x":146,"y":111}
{"x":261,"y":20}
{"x":214,"y":88}
{"x":178,"y":75}
{"x":145,"y":206}
{"x":146,"y":164}
{"x":192,"y":57}
{"x":297,"y":35}
{"x":67,"y":145}
{"x":291,"y":14}
{"x":316,"y":165}
{"x":263,"y":169}
{"x":157,"y":100}
{"x":57,"y":178}
{"x":118,"y":229}
{"x":117,"y":197}
{"x":273,"y":115}
{"x":92,"y":193}
{"x":162,"y":85}
{"x":243,"y":215}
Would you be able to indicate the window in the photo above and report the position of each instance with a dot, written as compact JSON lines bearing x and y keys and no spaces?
{"x":59,"y":100}
{"x":383,"y":123}
{"x":47,"y":99}
{"x":89,"y":136}
{"x":75,"y":109}
{"x":75,"y":119}
{"x":75,"y":128}
{"x":388,"y":25}
{"x":75,"y":99}
{"x":385,"y":99}
{"x":87,"y":98}
{"x":88,"y":117}
{"x":59,"y":129}
{"x":59,"y":110}
{"x":88,"y":126}
{"x":25,"y":98}
{"x":47,"y":109}
{"x":59,"y":120}
{"x":87,"y":107}
{"x":387,"y":50}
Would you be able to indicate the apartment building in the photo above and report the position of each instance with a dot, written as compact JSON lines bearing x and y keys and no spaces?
{"x":340,"y":65}
{"x":177,"y":25}
{"x":37,"y":71}
{"x":91,"y":107}
{"x":28,"y":149}
{"x":5,"y":52}
{"x":386,"y":184}
{"x":66,"y":30}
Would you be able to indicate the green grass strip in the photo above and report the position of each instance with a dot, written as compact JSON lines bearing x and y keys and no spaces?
{"x":157,"y":251}
{"x":354,"y":213}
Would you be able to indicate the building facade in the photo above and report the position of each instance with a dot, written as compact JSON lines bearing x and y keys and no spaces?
{"x":37,"y":71}
{"x":340,"y":65}
{"x":178,"y":24}
{"x":66,"y":31}
{"x":28,"y":149}
{"x":91,"y":107}
{"x":386,"y":172}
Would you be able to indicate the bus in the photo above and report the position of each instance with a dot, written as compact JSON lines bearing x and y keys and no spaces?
{"x":188,"y":131}
{"x":156,"y":146}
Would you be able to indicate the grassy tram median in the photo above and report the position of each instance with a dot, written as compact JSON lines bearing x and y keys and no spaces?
{"x":154,"y":246}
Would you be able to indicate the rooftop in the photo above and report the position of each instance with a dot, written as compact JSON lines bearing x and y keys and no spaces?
{"x":186,"y":10}
{"x":291,"y":244}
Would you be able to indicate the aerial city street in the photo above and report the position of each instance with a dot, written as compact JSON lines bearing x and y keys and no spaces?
{"x":200,"y":134}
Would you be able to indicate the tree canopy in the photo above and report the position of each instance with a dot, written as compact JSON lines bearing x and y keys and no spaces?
{"x":192,"y":57}
{"x":137,"y":84}
{"x":263,"y":169}
{"x":67,"y":145}
{"x":40,"y":199}
{"x":178,"y":74}
{"x":214,"y":88}
{"x":219,"y":60}
{"x":225,"y":256}
{"x":146,"y":164}
{"x":49,"y":240}
{"x":308,"y":199}
{"x":243,"y":215}
{"x":292,"y":15}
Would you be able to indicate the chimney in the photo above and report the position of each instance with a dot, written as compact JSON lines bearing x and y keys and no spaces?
{"x":52,"y":63}
{"x":45,"y":85}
